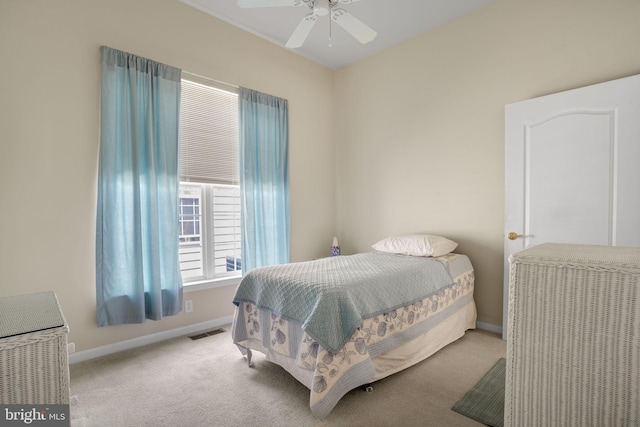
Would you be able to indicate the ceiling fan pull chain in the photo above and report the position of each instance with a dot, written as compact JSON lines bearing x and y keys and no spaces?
{"x":330,"y":43}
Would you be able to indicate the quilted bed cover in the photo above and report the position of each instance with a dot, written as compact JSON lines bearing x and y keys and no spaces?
{"x":326,"y":320}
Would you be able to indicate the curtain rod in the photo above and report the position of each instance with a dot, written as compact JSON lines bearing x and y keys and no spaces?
{"x":209,"y":79}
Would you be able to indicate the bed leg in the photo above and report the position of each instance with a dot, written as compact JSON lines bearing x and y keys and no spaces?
{"x":368,"y":388}
{"x":249,"y":354}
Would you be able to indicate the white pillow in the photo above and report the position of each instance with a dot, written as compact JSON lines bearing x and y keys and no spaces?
{"x":416,"y":245}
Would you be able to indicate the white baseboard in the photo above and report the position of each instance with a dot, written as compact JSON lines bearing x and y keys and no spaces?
{"x":92,"y":353}
{"x":489,"y":327}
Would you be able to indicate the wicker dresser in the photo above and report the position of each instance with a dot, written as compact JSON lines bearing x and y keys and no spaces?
{"x":573,"y":353}
{"x":34,"y":366}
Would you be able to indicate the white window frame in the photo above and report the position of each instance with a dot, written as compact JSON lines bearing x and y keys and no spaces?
{"x":209,"y":278}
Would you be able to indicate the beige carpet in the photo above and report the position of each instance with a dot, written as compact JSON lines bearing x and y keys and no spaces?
{"x":206,"y":382}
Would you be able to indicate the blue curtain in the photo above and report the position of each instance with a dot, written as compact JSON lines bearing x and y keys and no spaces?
{"x":264,"y":178}
{"x":137,"y":266}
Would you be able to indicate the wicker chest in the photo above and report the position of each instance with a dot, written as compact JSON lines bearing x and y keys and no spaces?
{"x":34,"y":366}
{"x":573,"y":353}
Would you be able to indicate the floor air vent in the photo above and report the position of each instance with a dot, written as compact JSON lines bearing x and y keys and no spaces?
{"x":207,"y":334}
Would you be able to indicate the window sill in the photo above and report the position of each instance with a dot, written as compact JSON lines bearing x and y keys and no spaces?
{"x":211,"y":284}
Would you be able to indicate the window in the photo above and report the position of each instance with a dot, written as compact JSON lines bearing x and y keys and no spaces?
{"x":209,"y":188}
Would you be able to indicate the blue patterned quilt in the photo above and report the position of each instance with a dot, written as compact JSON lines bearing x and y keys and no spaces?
{"x":330,"y":297}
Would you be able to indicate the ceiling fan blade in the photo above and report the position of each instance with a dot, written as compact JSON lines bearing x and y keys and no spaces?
{"x":268,"y":3}
{"x":302,"y":31}
{"x":358,"y":29}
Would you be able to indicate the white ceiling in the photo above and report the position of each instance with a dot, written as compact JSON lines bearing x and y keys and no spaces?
{"x":394,"y":21}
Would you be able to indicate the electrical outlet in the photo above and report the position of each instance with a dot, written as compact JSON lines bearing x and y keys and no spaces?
{"x":188,"y":306}
{"x":71,"y":348}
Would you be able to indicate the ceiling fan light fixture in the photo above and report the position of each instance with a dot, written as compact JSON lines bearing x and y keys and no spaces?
{"x":321,"y":10}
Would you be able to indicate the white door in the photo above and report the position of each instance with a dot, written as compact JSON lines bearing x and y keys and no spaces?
{"x":572,"y":170}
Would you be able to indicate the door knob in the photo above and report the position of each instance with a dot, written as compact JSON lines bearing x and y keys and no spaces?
{"x":512,"y":236}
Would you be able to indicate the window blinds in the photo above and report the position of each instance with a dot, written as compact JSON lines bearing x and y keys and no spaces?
{"x":208,"y":134}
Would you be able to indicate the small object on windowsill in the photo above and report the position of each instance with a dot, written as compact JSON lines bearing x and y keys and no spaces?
{"x":335,"y":248}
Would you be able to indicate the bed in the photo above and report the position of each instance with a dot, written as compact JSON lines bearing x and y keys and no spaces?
{"x":342,"y":322}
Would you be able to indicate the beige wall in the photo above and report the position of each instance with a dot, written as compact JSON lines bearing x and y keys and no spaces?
{"x":420,"y":128}
{"x":49,"y":99}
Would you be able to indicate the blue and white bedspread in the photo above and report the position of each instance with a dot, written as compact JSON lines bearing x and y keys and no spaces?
{"x":329,"y":318}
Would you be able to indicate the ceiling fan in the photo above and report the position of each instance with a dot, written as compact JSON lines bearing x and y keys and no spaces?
{"x":358,"y":29}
